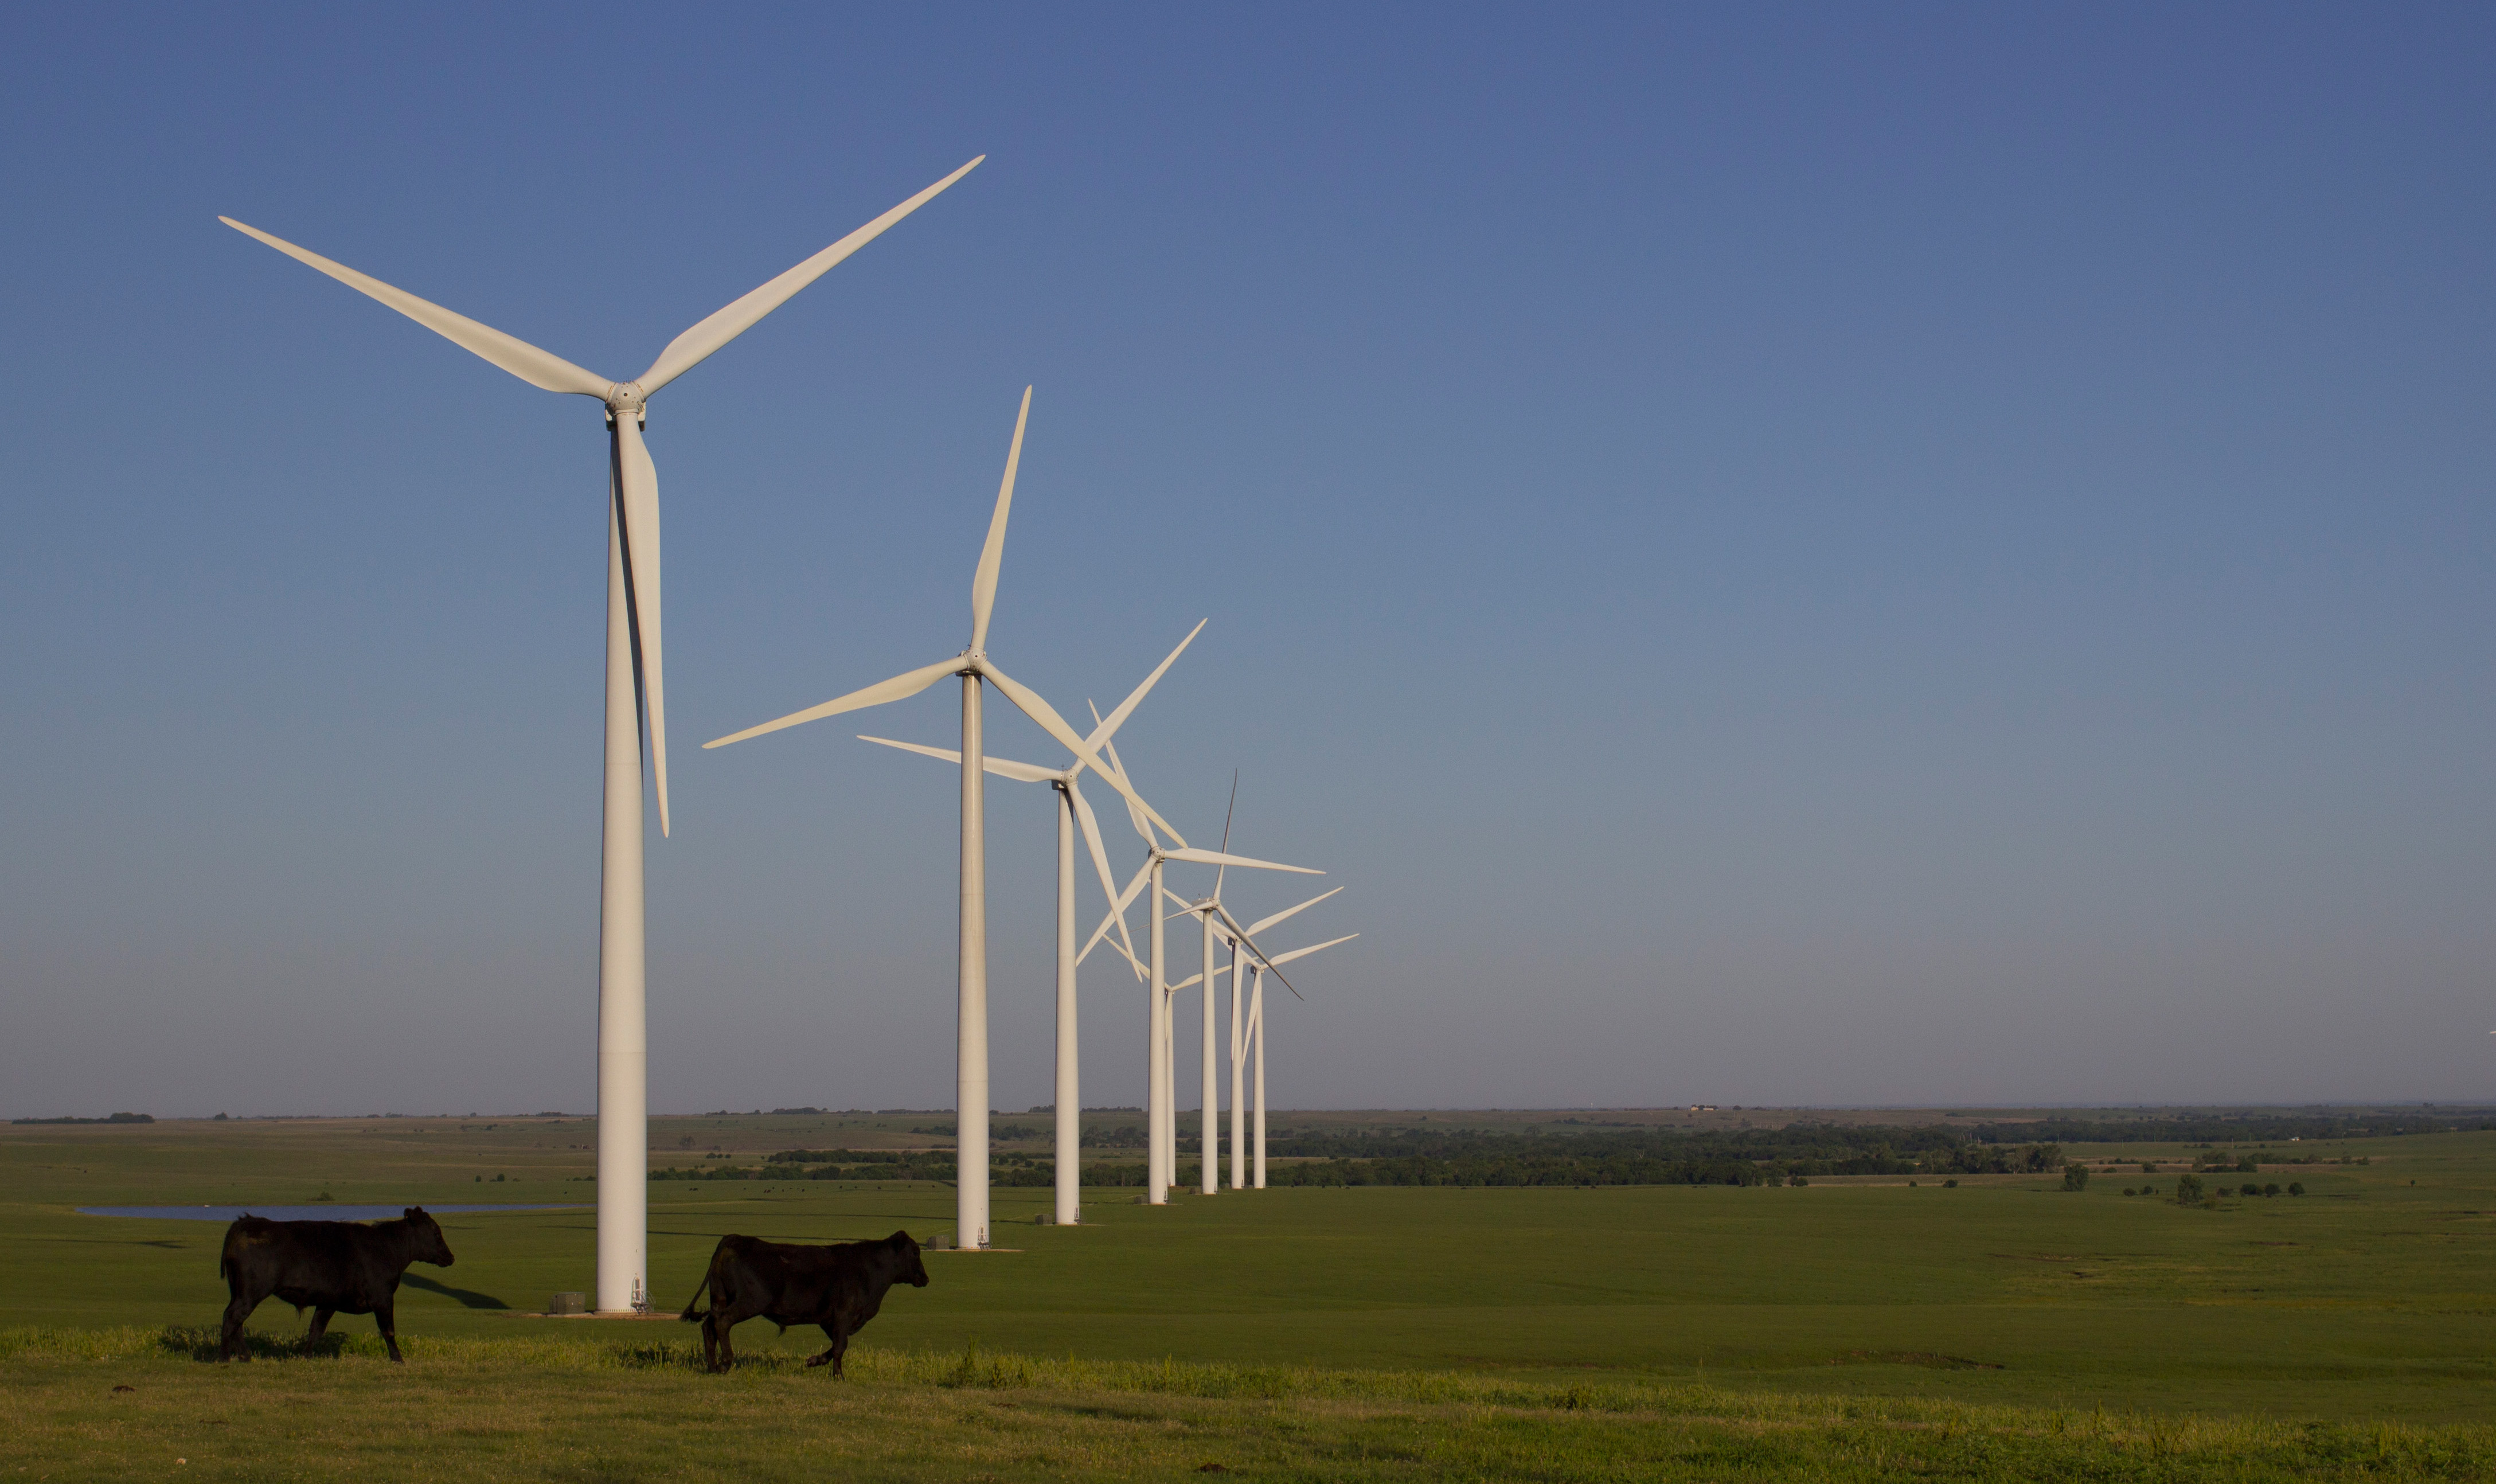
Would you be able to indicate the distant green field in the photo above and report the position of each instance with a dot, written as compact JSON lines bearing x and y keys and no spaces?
{"x":2371,"y":1297}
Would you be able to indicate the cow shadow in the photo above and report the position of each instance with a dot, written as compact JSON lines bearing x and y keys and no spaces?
{"x":467,"y":1296}
{"x":661,"y":1355}
{"x":200,"y":1343}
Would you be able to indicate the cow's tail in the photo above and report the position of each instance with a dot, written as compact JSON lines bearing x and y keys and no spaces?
{"x":694,"y":1313}
{"x":226,"y":1250}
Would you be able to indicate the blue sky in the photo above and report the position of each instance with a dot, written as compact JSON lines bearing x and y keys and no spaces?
{"x":1784,"y":554}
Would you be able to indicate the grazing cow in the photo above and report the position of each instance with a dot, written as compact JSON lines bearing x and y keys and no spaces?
{"x":840,"y":1287}
{"x":329,"y":1267}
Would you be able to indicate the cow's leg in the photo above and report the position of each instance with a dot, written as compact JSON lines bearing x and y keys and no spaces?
{"x":840,"y":1345}
{"x":386,"y":1320}
{"x":710,"y":1341}
{"x":319,"y":1325}
{"x":239,"y":1307}
{"x":723,"y":1320}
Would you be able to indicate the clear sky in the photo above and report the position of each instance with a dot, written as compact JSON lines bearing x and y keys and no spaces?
{"x":1799,"y":554}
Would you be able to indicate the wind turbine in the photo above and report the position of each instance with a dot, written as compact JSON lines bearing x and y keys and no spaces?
{"x":1071,"y":810}
{"x":1257,"y":1035}
{"x":1206,"y":910}
{"x":1240,"y":967}
{"x":636,"y":677}
{"x":1208,"y":1142}
{"x":1162,"y":1116}
{"x":973,"y":665}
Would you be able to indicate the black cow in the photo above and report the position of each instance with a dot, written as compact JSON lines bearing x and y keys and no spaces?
{"x":840,"y":1287}
{"x":329,"y":1267}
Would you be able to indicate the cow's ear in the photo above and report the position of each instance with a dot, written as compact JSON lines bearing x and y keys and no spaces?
{"x":412,"y":1211}
{"x":899,"y":1238}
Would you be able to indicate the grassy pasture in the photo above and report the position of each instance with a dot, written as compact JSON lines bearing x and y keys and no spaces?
{"x":583,"y":1405}
{"x":1735,"y":1331}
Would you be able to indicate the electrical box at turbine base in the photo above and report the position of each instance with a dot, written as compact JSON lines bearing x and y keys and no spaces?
{"x":567,"y":1303}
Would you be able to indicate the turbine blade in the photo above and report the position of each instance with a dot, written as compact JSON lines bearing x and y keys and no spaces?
{"x":983,"y":581}
{"x":1099,"y":857}
{"x":537,"y":368}
{"x":1101,"y":731}
{"x":1218,"y":859}
{"x":638,"y":481}
{"x":945,"y":752}
{"x":1135,"y":815}
{"x":1127,"y":953}
{"x":1118,"y":910}
{"x":1262,"y":924}
{"x":1030,"y":703}
{"x":1019,"y":772}
{"x":692,"y":348}
{"x":1285,"y":958}
{"x":899,"y":688}
{"x":1260,"y":953}
{"x":1228,"y":809}
{"x":1003,"y":767}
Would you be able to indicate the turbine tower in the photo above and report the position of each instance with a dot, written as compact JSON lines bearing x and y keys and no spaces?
{"x":1255,"y":970}
{"x":1209,"y":1138}
{"x":1239,"y":971}
{"x":1161,"y":1119}
{"x":1206,"y":911}
{"x":1073,"y":810}
{"x":973,"y":665}
{"x":635,"y":681}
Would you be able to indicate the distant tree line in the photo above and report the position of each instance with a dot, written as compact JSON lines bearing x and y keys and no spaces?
{"x":117,"y":1118}
{"x":1538,"y":1169}
{"x":2240,"y":1128}
{"x":1009,"y":1169}
{"x":1974,"y":1158}
{"x":1822,"y":1150}
{"x":1610,"y":1156}
{"x":828,"y":1164}
{"x":1650,"y":1155}
{"x":1632,"y":1157}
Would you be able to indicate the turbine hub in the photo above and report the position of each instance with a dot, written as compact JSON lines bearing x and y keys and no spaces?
{"x":626,"y":397}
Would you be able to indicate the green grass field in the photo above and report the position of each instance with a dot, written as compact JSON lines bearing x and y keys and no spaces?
{"x":1851,"y":1329}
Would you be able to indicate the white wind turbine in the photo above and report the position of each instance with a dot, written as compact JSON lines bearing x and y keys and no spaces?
{"x":1073,"y":810}
{"x":973,"y":665}
{"x":1256,"y":1031}
{"x":1243,"y":965}
{"x":1204,"y":910}
{"x":636,"y":677}
{"x":1161,"y":1163}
